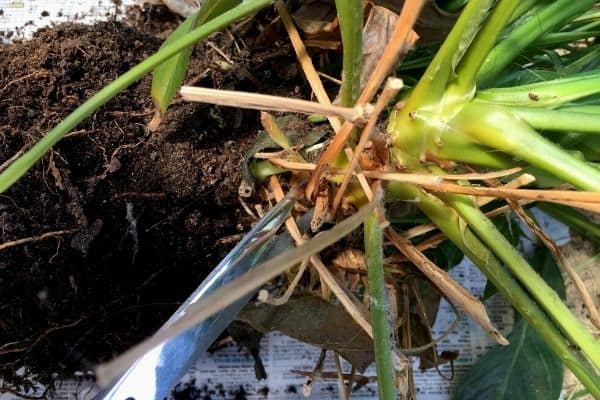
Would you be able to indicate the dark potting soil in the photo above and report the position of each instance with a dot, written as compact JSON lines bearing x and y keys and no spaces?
{"x":135,"y":219}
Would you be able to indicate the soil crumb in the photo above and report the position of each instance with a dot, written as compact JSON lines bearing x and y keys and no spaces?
{"x":136,"y":219}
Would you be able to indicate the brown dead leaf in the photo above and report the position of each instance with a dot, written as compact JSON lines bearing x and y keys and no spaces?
{"x":377,"y":32}
{"x":350,"y":259}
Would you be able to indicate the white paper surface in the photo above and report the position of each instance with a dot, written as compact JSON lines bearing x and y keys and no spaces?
{"x":20,"y":18}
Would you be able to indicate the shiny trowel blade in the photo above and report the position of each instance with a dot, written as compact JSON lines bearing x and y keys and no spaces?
{"x":153,"y":376}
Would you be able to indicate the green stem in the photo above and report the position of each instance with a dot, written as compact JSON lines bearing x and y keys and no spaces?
{"x":559,"y":120}
{"x":552,"y":17}
{"x":467,"y":70}
{"x":591,"y":15}
{"x":379,"y":308}
{"x":25,"y":162}
{"x":551,"y":94}
{"x":588,"y":27}
{"x":497,"y":128}
{"x":539,"y":289}
{"x":430,"y":90}
{"x":350,"y":15}
{"x":454,"y":148}
{"x":556,"y":39}
{"x":432,"y":85}
{"x":465,"y":239}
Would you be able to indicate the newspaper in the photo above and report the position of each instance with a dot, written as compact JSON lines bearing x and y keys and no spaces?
{"x":229,"y":372}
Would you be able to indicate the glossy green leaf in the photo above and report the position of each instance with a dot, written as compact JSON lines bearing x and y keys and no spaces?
{"x":526,"y":368}
{"x":168,"y":76}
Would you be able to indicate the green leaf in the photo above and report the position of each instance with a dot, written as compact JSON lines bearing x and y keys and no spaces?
{"x":168,"y":76}
{"x":526,"y":368}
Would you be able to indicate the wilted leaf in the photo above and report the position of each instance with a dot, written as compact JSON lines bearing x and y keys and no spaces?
{"x":446,"y":255}
{"x":248,"y":337}
{"x":526,"y":368}
{"x":315,"y":321}
{"x":168,"y":76}
{"x":452,"y":5}
{"x":421,"y":336}
{"x":269,"y":122}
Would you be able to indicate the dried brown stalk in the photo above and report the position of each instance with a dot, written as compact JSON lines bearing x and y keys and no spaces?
{"x":359,"y":379}
{"x":343,"y":393}
{"x":437,"y":179}
{"x":585,"y":200}
{"x":18,"y":154}
{"x":255,"y":101}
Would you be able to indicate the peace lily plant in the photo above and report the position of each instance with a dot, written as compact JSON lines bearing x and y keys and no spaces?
{"x":494,"y":102}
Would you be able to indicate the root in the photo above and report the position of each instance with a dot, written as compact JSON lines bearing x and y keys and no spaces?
{"x":44,"y":236}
